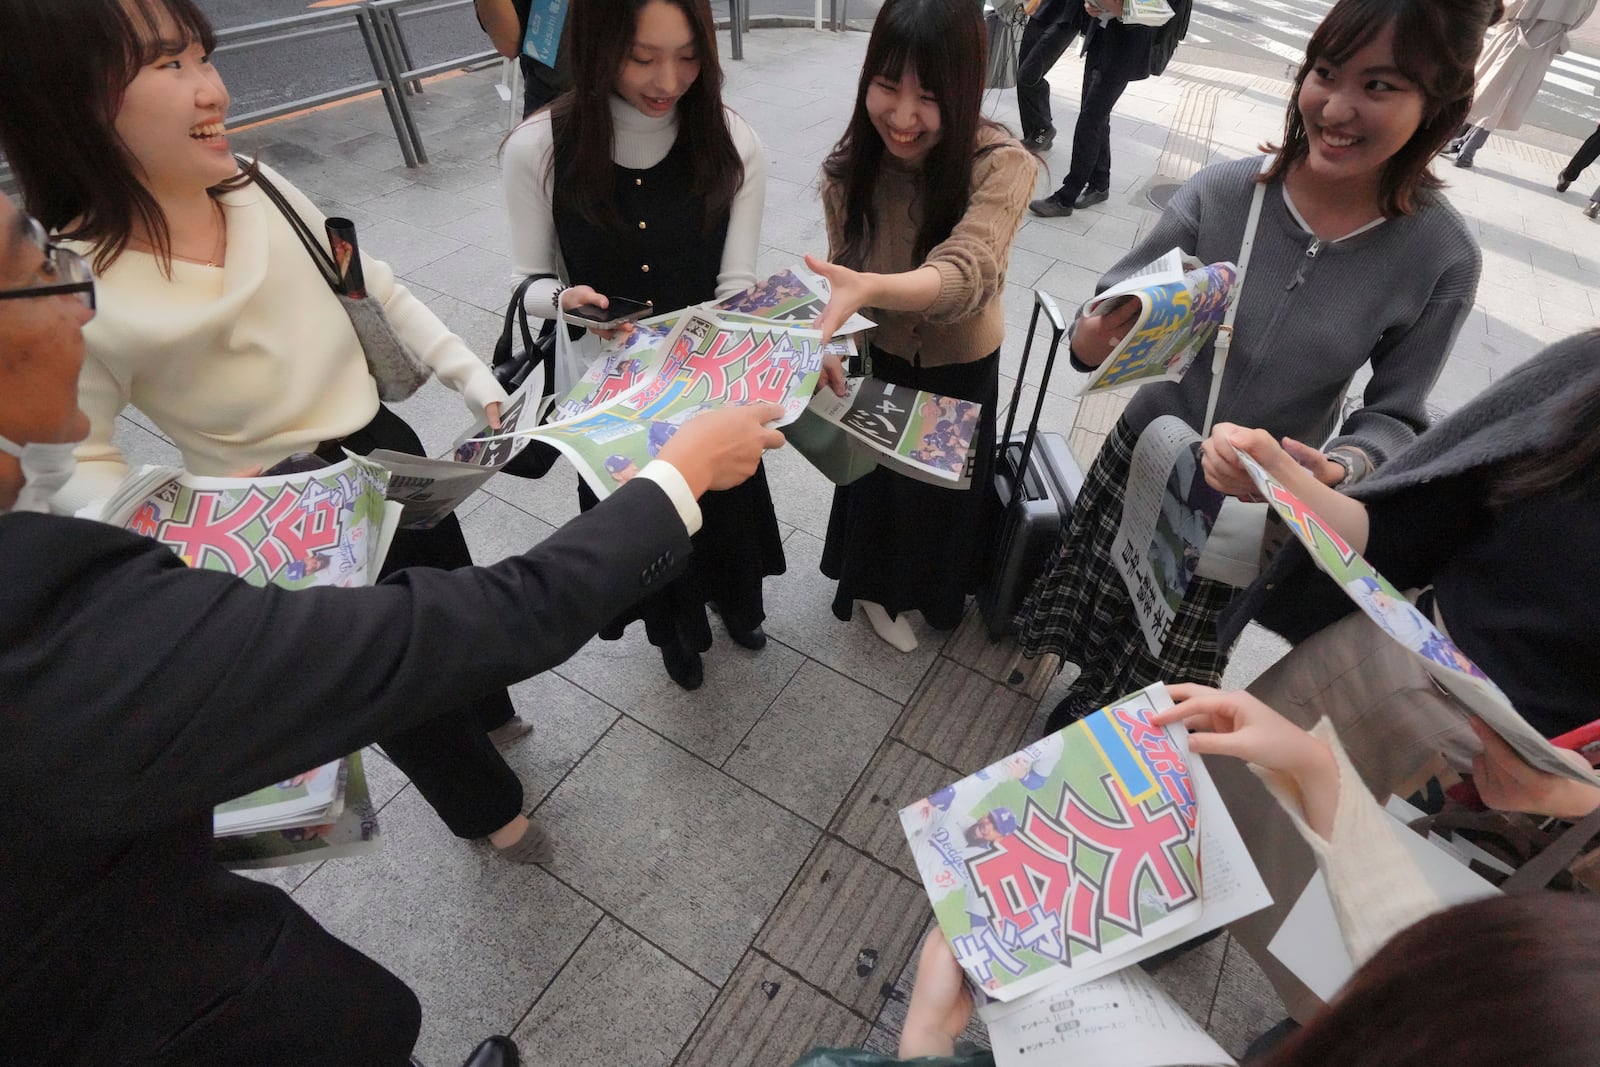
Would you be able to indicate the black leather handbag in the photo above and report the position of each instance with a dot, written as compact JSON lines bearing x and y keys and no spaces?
{"x":512,"y":365}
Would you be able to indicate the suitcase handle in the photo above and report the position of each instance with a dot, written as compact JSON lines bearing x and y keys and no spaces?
{"x":1042,"y":301}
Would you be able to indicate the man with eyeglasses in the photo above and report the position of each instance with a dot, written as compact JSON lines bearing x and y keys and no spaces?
{"x":136,"y":694}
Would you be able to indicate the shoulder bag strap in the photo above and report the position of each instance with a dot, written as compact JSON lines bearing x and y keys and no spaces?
{"x":1224,"y":341}
{"x":319,"y":255}
{"x":1555,"y":857}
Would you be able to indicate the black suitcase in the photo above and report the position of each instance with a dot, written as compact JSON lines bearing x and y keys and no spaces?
{"x":1034,"y":508}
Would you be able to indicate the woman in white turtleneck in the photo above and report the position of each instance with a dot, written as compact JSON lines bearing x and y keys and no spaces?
{"x":637,"y":183}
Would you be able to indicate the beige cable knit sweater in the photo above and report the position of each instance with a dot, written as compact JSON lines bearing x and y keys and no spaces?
{"x":967,"y":321}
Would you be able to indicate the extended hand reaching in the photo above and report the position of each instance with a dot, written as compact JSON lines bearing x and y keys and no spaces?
{"x":1237,"y":724}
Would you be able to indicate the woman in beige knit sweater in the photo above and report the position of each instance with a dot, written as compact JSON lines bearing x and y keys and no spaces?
{"x":922,"y":198}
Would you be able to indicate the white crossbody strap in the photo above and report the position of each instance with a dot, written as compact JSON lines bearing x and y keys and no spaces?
{"x":1219,"y":350}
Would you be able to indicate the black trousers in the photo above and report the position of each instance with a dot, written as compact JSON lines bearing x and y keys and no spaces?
{"x":1587,"y":153}
{"x":1103,"y":86}
{"x":1045,"y":38}
{"x":449,"y":758}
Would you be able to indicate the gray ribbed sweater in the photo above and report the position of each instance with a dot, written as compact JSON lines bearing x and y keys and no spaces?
{"x":1395,"y":296}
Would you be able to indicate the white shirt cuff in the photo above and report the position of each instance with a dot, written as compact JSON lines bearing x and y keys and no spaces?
{"x":677,"y":489}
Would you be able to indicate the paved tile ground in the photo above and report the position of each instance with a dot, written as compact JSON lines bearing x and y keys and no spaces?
{"x":731,"y":886}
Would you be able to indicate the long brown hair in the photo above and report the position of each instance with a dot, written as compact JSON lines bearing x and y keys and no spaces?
{"x":1436,"y":45}
{"x":944,"y":43}
{"x":66,"y":67}
{"x":1506,"y":982}
{"x":600,"y":35}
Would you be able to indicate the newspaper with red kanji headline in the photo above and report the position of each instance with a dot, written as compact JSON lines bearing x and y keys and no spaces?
{"x":1055,"y":869}
{"x":327,"y":527}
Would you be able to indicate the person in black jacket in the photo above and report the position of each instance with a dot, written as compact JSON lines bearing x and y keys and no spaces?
{"x":136,"y":694}
{"x":1115,"y":55}
{"x":1052,"y":27}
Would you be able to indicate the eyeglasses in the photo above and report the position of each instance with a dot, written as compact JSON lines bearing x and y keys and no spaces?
{"x":72,"y":270}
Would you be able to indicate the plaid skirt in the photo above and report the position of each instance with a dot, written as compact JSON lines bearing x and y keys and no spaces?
{"x":1080,"y":611}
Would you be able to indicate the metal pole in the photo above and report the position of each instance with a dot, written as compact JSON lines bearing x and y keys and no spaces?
{"x":399,"y":114}
{"x":735,"y":29}
{"x":388,"y":47}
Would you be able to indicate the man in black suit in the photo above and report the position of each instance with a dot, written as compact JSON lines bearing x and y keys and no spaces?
{"x":1115,"y":55}
{"x":136,"y":694}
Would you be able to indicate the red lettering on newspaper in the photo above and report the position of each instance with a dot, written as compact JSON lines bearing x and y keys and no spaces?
{"x":1038,"y":890}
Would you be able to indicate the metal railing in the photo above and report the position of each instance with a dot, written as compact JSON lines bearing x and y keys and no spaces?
{"x":396,"y":75}
{"x":317,"y":24}
{"x":404,"y":75}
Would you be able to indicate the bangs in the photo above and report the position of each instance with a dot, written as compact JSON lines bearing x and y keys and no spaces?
{"x":157,"y":28}
{"x":1350,"y":27}
{"x":917,"y":46}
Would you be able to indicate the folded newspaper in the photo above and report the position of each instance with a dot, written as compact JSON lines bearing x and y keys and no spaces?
{"x":1399,"y":618}
{"x":330,"y":526}
{"x":752,"y":346}
{"x":915,"y":433}
{"x":429,"y":489}
{"x":1182,"y":302}
{"x":794,"y":295}
{"x":1055,"y":869}
{"x":352,"y":830}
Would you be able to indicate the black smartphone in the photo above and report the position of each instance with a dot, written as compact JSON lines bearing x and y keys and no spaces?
{"x":603,"y":318}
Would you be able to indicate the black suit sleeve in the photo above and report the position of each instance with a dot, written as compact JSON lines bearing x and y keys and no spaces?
{"x":173,"y":689}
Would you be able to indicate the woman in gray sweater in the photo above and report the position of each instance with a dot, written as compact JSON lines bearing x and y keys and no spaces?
{"x":1357,"y":260}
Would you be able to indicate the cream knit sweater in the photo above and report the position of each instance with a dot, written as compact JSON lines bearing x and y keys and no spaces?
{"x":244,"y":364}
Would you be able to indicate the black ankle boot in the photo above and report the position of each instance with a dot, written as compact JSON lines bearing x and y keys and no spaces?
{"x":755,"y":639}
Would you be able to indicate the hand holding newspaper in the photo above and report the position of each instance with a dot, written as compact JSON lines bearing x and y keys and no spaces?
{"x":1053,"y":870}
{"x":1182,"y":302}
{"x":1399,"y":618}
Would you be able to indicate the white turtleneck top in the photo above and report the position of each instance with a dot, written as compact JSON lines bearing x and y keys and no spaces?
{"x":641,"y":141}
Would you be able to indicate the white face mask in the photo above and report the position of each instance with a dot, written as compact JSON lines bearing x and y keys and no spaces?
{"x":45,"y":469}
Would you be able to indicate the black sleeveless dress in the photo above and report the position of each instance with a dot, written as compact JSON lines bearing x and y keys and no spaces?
{"x":663,"y":256}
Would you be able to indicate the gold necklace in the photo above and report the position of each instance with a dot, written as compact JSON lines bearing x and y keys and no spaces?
{"x":219,"y":249}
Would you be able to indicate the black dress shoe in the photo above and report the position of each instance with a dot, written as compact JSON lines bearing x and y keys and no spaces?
{"x":1562,"y":182}
{"x":1050,"y":208}
{"x":754,"y":638}
{"x":1091,"y":197}
{"x":495,"y":1051}
{"x":683,"y":666}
